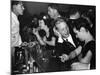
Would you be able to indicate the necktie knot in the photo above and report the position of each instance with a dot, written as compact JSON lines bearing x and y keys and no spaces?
{"x":66,"y":40}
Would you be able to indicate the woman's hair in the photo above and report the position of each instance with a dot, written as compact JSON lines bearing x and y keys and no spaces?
{"x":46,"y":21}
{"x":81,"y":22}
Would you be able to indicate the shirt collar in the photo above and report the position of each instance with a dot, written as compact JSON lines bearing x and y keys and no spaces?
{"x":67,"y":37}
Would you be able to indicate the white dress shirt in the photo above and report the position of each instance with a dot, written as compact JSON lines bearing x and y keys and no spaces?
{"x":69,"y":38}
{"x":15,"y":36}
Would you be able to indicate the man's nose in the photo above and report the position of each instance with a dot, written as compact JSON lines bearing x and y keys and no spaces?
{"x":23,"y":8}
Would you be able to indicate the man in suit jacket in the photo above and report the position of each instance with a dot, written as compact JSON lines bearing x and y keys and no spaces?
{"x":64,"y":45}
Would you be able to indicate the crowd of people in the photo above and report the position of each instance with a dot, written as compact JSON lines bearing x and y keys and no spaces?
{"x":53,"y":42}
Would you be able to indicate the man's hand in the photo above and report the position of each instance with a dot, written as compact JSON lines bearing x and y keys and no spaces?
{"x":56,"y":32}
{"x":24,"y":44}
{"x":64,"y":57}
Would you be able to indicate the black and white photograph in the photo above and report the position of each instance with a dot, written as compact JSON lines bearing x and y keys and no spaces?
{"x":52,"y":37}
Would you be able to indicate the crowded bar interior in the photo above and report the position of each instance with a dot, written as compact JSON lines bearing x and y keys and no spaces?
{"x":52,"y":37}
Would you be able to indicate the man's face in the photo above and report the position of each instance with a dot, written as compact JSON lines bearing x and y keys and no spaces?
{"x":79,"y":34}
{"x":51,"y":12}
{"x":19,"y":8}
{"x":75,"y":16}
{"x":63,"y":29}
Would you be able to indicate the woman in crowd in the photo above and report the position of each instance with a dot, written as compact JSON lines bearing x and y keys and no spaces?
{"x":46,"y":39}
{"x":44,"y":34}
{"x":83,"y":32}
{"x":86,"y":54}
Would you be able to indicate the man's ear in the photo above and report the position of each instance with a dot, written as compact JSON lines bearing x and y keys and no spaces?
{"x":55,"y":10}
{"x":82,"y":29}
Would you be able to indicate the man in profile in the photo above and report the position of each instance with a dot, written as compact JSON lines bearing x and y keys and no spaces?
{"x":53,"y":11}
{"x":16,"y":10}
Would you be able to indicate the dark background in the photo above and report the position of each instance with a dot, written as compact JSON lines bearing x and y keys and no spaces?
{"x":38,"y":7}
